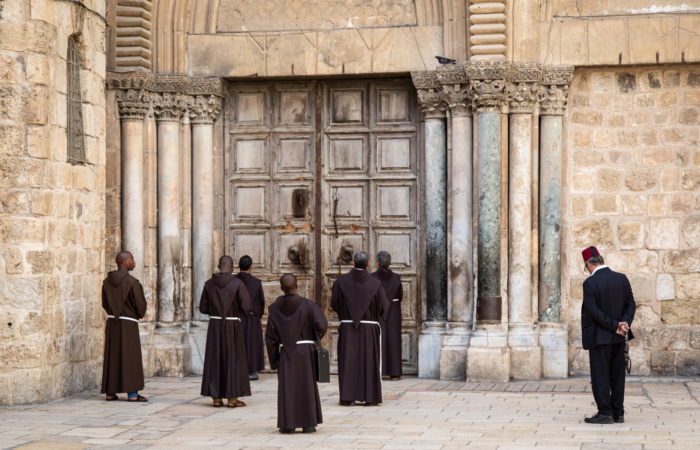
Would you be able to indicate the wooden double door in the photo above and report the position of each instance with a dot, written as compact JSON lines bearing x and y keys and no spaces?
{"x":317,"y":171}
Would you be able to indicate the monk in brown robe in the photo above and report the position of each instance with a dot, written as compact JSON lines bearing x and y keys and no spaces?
{"x":225,"y":298}
{"x":252,"y":327}
{"x":359,"y":300}
{"x":391,"y":326}
{"x":290,"y":347}
{"x":123,"y":299}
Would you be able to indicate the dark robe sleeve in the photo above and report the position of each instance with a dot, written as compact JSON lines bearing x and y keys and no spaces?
{"x":591,"y":307}
{"x":261,"y":299}
{"x":204,"y":302}
{"x":140,"y":304}
{"x":243,"y":299}
{"x":399,"y":292}
{"x":272,"y":341}
{"x":383,"y":302}
{"x":105,"y":303}
{"x":321,"y":323}
{"x":336,"y":298}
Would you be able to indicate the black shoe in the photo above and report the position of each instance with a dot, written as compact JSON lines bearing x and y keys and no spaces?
{"x":342,"y":403}
{"x":253,"y":377}
{"x":309,"y":430}
{"x":618,"y":419}
{"x":287,"y":430}
{"x":599,"y":418}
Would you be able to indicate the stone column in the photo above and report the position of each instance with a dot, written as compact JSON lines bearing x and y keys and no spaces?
{"x":430,"y":96}
{"x":453,"y":357}
{"x":553,"y":337}
{"x":133,"y":105}
{"x":168,"y":109}
{"x":488,"y":357}
{"x":203,"y":114}
{"x":525,"y":352}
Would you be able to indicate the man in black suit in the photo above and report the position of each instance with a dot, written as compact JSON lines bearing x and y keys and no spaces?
{"x":606,"y":315}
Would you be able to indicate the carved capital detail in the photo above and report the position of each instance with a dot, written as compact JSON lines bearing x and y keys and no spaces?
{"x":554,"y":92}
{"x":130,"y":80}
{"x":522,"y":88}
{"x":172,"y":83}
{"x":455,"y":87}
{"x":207,"y":86}
{"x":487,"y":81}
{"x":430,"y":95}
{"x":133,"y":104}
{"x":451,"y":74}
{"x":204,"y":109}
{"x":170,"y":107}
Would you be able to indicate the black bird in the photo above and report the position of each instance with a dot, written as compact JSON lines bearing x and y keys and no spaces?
{"x":443,"y":60}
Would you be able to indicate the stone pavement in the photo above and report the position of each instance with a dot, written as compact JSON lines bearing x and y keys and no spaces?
{"x":662,"y":413}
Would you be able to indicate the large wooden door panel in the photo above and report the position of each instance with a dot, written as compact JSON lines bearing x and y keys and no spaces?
{"x":366,"y":134}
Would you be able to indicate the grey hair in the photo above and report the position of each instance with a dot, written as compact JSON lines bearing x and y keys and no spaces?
{"x":361,"y":260}
{"x":384,"y":259}
{"x":596,"y":260}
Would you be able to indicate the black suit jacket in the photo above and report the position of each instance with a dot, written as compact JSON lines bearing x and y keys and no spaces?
{"x":607,"y":301}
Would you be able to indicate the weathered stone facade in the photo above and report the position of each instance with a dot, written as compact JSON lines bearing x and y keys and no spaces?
{"x":578,"y":124}
{"x":633,"y":171}
{"x":52,"y":211}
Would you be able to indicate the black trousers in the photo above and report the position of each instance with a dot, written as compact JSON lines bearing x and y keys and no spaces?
{"x":608,"y":378}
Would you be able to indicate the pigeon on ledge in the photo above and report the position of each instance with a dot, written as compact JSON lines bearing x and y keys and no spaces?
{"x":443,"y":60}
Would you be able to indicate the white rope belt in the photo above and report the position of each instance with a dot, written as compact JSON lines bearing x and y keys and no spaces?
{"x":300,"y":342}
{"x":396,"y":299}
{"x":125,"y":318}
{"x":228,"y":318}
{"x":380,"y":343}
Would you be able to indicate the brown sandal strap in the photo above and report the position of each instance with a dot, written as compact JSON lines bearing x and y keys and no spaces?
{"x":139,"y":398}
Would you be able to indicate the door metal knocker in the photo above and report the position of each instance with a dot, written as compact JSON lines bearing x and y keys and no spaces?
{"x":345,"y":256}
{"x":297,"y":254}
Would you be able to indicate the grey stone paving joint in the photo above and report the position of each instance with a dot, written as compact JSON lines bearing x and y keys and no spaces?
{"x":661,"y":413}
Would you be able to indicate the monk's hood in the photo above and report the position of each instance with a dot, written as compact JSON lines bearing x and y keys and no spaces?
{"x":293,"y":310}
{"x":365,"y":288}
{"x":115,"y":278}
{"x":384,"y":274}
{"x":221,"y":279}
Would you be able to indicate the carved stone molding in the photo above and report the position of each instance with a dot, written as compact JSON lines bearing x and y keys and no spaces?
{"x":208,"y":86}
{"x":522,"y":88}
{"x":487,"y":80}
{"x":554,"y":91}
{"x":204,"y":109}
{"x":451,"y":74}
{"x":455,"y":87}
{"x":430,"y":95}
{"x":133,"y":104}
{"x":172,"y":83}
{"x":130,"y":80}
{"x":170,"y":107}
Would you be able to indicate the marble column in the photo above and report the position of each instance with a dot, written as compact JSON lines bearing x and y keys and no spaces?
{"x":203,"y":114}
{"x":525,"y":352}
{"x":553,"y":337}
{"x":133,"y":105}
{"x":430,"y":96}
{"x":488,"y":357}
{"x":453,"y":357}
{"x":168,"y":109}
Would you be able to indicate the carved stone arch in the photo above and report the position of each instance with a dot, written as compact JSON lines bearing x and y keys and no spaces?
{"x":173,"y":21}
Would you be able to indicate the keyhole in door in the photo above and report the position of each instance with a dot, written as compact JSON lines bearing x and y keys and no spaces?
{"x":300,"y":201}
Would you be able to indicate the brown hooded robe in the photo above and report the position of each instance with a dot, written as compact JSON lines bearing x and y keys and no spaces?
{"x":391,"y":327}
{"x":225,"y":363}
{"x":298,"y":401}
{"x":358,"y":296}
{"x":252,"y":328}
{"x":122,"y":296}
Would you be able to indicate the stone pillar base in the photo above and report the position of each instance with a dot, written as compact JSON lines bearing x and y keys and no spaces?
{"x":197,"y":339}
{"x":453,"y":356}
{"x":554,"y":341}
{"x":526,"y":363}
{"x":170,"y":353}
{"x":429,"y":347}
{"x":491,"y":364}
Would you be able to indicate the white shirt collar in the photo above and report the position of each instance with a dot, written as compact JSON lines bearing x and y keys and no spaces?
{"x":598,"y":268}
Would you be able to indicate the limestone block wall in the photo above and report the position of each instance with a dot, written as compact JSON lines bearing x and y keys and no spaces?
{"x":51,"y":211}
{"x":633,"y":174}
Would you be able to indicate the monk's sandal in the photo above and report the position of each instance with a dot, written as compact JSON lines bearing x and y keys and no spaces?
{"x":139,"y":399}
{"x":286,"y":430}
{"x":235,"y":404}
{"x":309,"y":430}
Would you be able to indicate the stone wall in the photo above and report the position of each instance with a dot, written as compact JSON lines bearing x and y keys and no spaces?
{"x":633,"y":179}
{"x":51,"y":211}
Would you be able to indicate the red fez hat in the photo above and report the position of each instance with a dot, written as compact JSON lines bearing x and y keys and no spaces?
{"x":589,"y":253}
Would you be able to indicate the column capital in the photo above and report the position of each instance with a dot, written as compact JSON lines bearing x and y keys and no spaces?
{"x":430,"y":95}
{"x":522,"y":87}
{"x":455,"y":87}
{"x":554,"y":91}
{"x":170,"y":107}
{"x":204,"y":109}
{"x":133,"y":104}
{"x":130,"y":80}
{"x":487,"y":81}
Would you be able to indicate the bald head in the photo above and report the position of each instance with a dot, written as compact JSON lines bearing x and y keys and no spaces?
{"x":288,"y":283}
{"x":226,"y":264}
{"x":125,"y":261}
